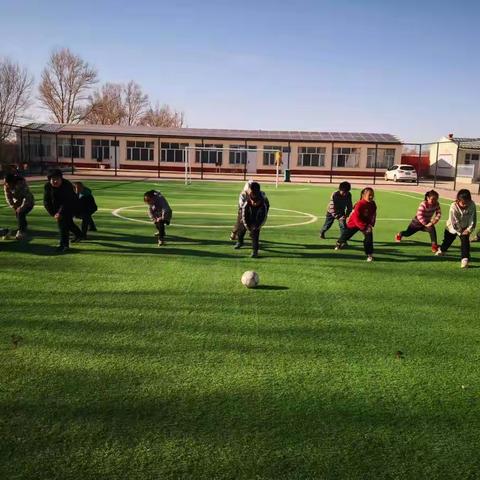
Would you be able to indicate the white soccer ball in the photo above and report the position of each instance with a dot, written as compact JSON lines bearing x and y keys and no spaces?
{"x":250,"y":279}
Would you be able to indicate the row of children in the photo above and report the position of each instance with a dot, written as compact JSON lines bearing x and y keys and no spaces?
{"x":461,"y":220}
{"x":62,"y":200}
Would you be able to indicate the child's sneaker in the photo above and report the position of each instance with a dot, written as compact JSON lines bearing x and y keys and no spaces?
{"x":435,"y":248}
{"x":322,"y":235}
{"x":369,"y":258}
{"x":398,"y":237}
{"x":238,"y":245}
{"x":233,"y":236}
{"x":254,"y":255}
{"x":5,"y":233}
{"x":161,"y":242}
{"x":439,"y":253}
{"x":339,"y":246}
{"x":464,"y":263}
{"x":20,"y":235}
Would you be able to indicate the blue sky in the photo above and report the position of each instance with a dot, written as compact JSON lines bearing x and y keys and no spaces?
{"x":404,"y":67}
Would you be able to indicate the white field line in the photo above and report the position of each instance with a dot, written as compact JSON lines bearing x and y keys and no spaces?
{"x":308,"y":216}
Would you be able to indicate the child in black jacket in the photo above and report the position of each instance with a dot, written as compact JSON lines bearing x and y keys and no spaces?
{"x":159,"y":212}
{"x":86,"y":208}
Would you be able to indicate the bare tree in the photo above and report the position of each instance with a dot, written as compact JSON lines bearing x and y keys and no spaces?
{"x":106,"y":106}
{"x":15,"y":93}
{"x":163,"y":116}
{"x":135,"y":103}
{"x":65,"y":83}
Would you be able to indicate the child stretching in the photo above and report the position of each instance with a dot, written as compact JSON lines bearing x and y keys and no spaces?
{"x":159,"y":212}
{"x":339,"y":208}
{"x":461,"y":222}
{"x":241,"y":199}
{"x":20,"y":199}
{"x":254,"y":211}
{"x":87,"y":207}
{"x":428,"y":214}
{"x":362,"y":219}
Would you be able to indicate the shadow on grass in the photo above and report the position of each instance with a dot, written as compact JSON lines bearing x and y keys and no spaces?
{"x":271,"y":287}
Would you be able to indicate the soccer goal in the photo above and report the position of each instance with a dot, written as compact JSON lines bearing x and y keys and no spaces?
{"x":244,"y":158}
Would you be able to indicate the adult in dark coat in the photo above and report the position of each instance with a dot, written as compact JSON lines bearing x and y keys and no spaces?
{"x":61,"y":202}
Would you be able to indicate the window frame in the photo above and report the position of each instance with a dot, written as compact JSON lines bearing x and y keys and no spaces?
{"x":171,"y":154}
{"x":144,"y":150}
{"x":319,"y":152}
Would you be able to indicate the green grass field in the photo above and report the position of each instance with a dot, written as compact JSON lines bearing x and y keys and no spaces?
{"x":139,"y":362}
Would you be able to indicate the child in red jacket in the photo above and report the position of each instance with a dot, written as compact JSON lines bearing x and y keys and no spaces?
{"x":362,"y":219}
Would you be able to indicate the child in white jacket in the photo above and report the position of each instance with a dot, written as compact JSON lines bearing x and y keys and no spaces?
{"x":461,"y":222}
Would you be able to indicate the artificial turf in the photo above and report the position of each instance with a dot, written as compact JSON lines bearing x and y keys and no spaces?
{"x":134,"y":361}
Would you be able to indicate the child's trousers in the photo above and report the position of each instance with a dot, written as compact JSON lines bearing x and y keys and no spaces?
{"x":161,"y":229}
{"x":415,"y":226}
{"x":348,"y":233}
{"x":255,"y":234}
{"x":464,"y":243}
{"x":329,"y":220}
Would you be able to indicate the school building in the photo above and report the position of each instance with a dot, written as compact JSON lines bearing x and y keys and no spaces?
{"x":209,"y":150}
{"x":457,"y":157}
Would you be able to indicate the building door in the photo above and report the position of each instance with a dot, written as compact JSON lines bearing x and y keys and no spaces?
{"x":252,"y":161}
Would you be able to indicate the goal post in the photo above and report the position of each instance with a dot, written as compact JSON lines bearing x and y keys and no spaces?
{"x":233,"y":156}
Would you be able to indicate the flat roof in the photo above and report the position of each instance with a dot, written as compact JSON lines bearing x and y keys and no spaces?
{"x":467,"y":143}
{"x":213,"y":133}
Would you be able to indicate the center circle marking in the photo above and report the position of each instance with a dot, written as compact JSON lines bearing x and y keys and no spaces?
{"x":118,"y":213}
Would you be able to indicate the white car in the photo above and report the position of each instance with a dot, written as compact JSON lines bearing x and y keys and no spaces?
{"x":399,"y":173}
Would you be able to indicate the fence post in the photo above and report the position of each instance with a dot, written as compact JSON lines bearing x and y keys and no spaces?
{"x":160,"y":155}
{"x":245,"y":160}
{"x":331,"y":163}
{"x":21,"y":145}
{"x":436,"y":167}
{"x":456,"y":168}
{"x":375,"y":165}
{"x":71,"y":152}
{"x":419,"y":163}
{"x":115,"y":153}
{"x":56,"y":147}
{"x":201,"y":159}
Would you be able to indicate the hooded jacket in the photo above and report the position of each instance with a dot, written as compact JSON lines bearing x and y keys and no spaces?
{"x":460,"y":219}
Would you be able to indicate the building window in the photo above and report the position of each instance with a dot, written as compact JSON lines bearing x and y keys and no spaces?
{"x":71,"y":148}
{"x":269,"y":154}
{"x":101,"y":149}
{"x":385,"y":157}
{"x":37,"y":149}
{"x":142,"y":151}
{"x":173,"y":152}
{"x":237,"y":155}
{"x":471,"y":157}
{"x":311,"y":156}
{"x":214,"y":154}
{"x":345,"y":157}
